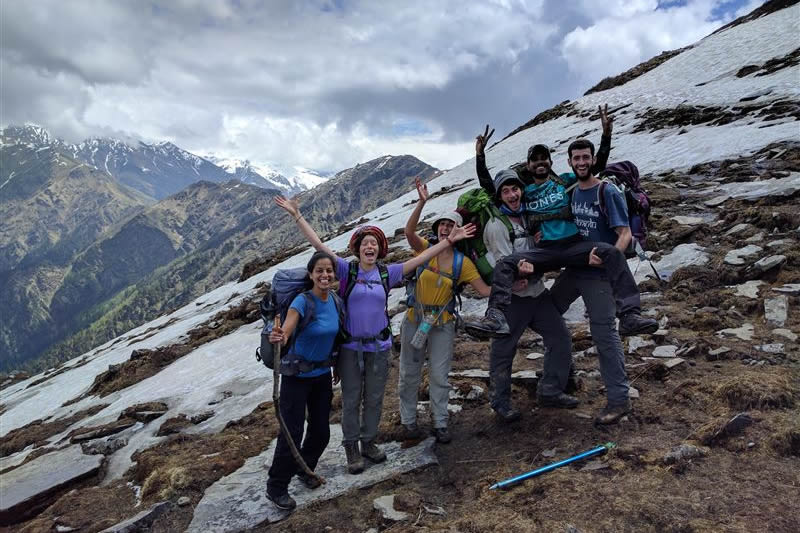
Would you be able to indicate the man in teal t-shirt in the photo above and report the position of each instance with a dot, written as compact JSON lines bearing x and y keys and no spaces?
{"x":549,"y":216}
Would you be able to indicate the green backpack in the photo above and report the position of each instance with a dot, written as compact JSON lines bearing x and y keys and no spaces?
{"x":477,"y":207}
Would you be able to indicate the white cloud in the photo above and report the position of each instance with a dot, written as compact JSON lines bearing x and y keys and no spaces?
{"x":627,"y":33}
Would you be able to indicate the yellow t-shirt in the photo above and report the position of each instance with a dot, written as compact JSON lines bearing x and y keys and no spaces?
{"x":434,"y":289}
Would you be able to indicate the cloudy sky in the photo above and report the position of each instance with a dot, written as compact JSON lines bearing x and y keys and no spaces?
{"x":323,"y":84}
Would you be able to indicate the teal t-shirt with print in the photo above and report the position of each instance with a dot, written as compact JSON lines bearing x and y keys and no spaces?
{"x":549,"y":198}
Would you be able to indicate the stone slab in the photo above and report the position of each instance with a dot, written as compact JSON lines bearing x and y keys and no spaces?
{"x":748,"y":289}
{"x":745,"y":332}
{"x":738,"y":256}
{"x":785,"y":333}
{"x":385,"y":505}
{"x":768,"y":263}
{"x":792,"y":289}
{"x":238,"y":502}
{"x":688,"y":221}
{"x":27,"y":488}
{"x":738,"y":228}
{"x":776,"y":310}
{"x":666,"y":352}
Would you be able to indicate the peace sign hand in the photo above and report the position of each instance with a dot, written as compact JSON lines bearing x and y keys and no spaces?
{"x":422,"y":190}
{"x":482,"y":140}
{"x":605,"y":120}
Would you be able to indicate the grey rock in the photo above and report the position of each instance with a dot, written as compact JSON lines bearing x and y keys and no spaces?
{"x":748,"y":289}
{"x":104,"y":447}
{"x":636,"y":342}
{"x":717,"y":200}
{"x":758,"y":237}
{"x":776,"y":348}
{"x":534,"y":356}
{"x":685,"y":452}
{"x":103,"y":431}
{"x":792,"y":289}
{"x":785,"y":333}
{"x":738,"y":228}
{"x":238,"y":501}
{"x":776,"y":310}
{"x":779,"y":243}
{"x":719,"y":351}
{"x":385,"y":504}
{"x":768,"y":263}
{"x":732,"y":427}
{"x":633,"y":393}
{"x":183,"y":501}
{"x":688,"y":221}
{"x":665,"y":351}
{"x":141,"y":521}
{"x":28,"y":489}
{"x":745,"y":332}
{"x":65,"y":529}
{"x":738,"y":256}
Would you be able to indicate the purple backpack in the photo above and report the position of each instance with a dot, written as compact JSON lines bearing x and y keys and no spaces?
{"x":625,"y":176}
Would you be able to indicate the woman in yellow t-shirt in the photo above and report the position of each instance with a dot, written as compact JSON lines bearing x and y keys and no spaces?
{"x":433,"y":293}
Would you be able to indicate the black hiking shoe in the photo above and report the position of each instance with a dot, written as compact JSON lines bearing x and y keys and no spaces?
{"x":311,"y":482}
{"x":507,"y":414}
{"x":634,"y":324}
{"x":355,"y":464}
{"x":611,"y":414}
{"x":411,"y":431}
{"x":442,"y":435}
{"x":492,"y":325}
{"x":559,"y":401}
{"x":282,"y":501}
{"x":372,"y":452}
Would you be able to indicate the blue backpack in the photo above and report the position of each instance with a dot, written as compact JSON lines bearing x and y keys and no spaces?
{"x":286,"y":285}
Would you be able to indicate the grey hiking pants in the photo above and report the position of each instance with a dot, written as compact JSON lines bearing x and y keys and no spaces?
{"x":555,"y":257}
{"x":439,"y":350}
{"x":541,"y":315}
{"x":602,"y":309}
{"x":362,"y":395}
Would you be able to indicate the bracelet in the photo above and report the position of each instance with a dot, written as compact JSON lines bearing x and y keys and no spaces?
{"x":298,"y":217}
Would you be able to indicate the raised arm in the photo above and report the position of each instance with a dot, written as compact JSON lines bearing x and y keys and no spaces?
{"x":604,"y":151}
{"x":291,"y":207}
{"x":484,"y":178}
{"x":462,"y":232}
{"x":414,"y":240}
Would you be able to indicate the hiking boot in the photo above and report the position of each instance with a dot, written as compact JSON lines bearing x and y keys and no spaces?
{"x":559,"y":401}
{"x":372,"y":452}
{"x":355,"y":464}
{"x":411,"y":431}
{"x":633,"y":324}
{"x":492,"y":325}
{"x":611,"y":414}
{"x":282,"y":501}
{"x":507,"y":414}
{"x":311,"y":482}
{"x":442,"y":435}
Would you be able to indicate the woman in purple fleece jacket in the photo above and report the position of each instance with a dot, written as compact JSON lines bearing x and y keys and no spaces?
{"x":363,"y":364}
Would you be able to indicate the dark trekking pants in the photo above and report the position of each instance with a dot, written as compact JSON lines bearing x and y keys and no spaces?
{"x":541,"y":315}
{"x":600,"y":306}
{"x":297,"y":396}
{"x":564,"y":255}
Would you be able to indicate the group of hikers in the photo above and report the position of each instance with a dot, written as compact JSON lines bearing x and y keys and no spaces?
{"x":540,"y":222}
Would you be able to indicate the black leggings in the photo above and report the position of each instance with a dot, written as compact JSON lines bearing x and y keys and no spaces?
{"x":297,"y":395}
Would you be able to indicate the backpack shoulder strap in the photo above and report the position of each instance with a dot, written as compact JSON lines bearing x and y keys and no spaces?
{"x":352,"y":276}
{"x":601,"y":197}
{"x":458,"y":262}
{"x":383,"y":270}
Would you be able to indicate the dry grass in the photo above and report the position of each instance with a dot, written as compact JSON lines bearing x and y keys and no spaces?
{"x":759,"y":391}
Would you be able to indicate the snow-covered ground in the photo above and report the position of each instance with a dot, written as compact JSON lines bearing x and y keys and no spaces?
{"x":703,"y":75}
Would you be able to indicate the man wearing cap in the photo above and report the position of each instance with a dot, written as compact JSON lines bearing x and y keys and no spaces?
{"x":433,"y":294}
{"x":531,"y":306}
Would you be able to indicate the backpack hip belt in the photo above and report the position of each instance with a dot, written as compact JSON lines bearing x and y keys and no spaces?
{"x":360,"y":358}
{"x":293,"y":364}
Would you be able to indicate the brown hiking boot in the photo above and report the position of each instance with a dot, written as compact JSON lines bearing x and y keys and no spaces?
{"x":611,"y":414}
{"x":355,"y":464}
{"x":372,"y":452}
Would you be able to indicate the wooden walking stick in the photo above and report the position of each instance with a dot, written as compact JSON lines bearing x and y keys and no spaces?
{"x":276,"y":401}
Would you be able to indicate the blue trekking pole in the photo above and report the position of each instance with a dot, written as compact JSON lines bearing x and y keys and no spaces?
{"x":552,"y":466}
